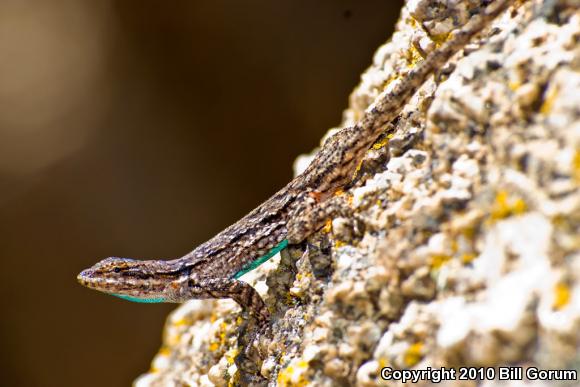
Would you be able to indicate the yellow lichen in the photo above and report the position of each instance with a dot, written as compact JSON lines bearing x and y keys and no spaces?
{"x":294,"y":375}
{"x":467,"y":258}
{"x":231,"y":355}
{"x":291,"y":298}
{"x":381,"y":143}
{"x":327,"y":226}
{"x":413,"y":354}
{"x":413,"y":57}
{"x":214,"y":345}
{"x":350,"y":200}
{"x":438,"y":260}
{"x":356,"y":171}
{"x":454,"y":245}
{"x":439,"y":39}
{"x":576,"y":166}
{"x":181,"y":322}
{"x":514,"y":85}
{"x":468,"y":233}
{"x":549,"y":99}
{"x":285,"y":376}
{"x":383,"y":362}
{"x":561,"y":295}
{"x":559,"y":220}
{"x":339,"y":244}
{"x":505,"y":206}
{"x":519,"y":207}
{"x":388,"y":81}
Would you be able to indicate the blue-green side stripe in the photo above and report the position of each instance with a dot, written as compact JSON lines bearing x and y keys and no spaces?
{"x":141,"y":300}
{"x":254,"y":264}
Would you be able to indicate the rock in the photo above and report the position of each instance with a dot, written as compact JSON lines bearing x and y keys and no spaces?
{"x":464,"y":246}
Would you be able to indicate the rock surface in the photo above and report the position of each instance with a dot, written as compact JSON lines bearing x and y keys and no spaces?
{"x":465,"y":246}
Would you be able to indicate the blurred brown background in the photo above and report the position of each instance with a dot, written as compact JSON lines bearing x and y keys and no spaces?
{"x":140,"y":129}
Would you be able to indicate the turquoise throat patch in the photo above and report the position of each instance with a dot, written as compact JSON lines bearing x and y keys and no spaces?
{"x":141,"y":300}
{"x":254,"y":264}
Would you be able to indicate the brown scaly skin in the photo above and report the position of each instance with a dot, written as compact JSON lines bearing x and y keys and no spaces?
{"x":292,"y":214}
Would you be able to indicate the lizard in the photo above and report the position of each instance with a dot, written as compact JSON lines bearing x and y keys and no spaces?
{"x":213,"y":269}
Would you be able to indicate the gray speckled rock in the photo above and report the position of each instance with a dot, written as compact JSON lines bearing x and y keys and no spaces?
{"x":464,"y":250}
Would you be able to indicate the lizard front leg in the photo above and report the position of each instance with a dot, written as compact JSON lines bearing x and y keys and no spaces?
{"x":310,"y":215}
{"x":249,"y":359}
{"x":245,"y":295}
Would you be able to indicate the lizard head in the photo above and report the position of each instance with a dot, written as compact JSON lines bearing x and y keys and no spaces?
{"x":130,"y":279}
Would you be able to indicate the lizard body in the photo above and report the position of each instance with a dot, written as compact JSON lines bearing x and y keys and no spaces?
{"x":288,"y":217}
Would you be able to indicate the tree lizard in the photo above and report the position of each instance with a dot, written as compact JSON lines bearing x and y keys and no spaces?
{"x":288,"y":217}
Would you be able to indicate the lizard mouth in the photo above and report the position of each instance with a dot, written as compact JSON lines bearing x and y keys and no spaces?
{"x":92,"y":280}
{"x":86,"y":278}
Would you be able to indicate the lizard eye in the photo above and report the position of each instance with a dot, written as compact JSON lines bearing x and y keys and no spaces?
{"x":117,"y":269}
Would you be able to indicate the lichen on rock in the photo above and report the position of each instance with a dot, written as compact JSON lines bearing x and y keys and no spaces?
{"x":464,"y":247}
